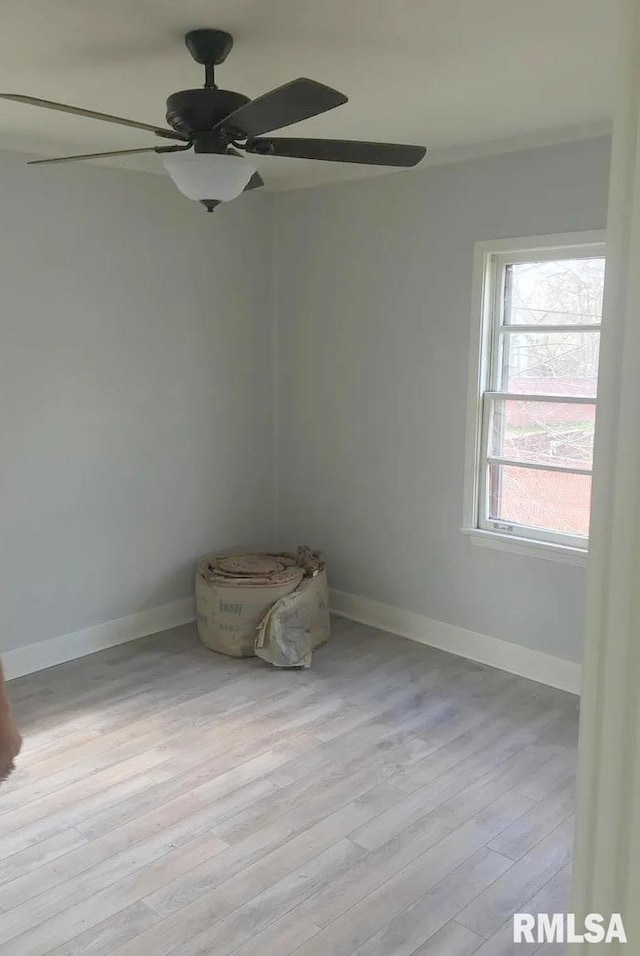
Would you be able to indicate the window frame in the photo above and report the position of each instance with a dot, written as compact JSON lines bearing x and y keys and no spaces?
{"x":490,"y":258}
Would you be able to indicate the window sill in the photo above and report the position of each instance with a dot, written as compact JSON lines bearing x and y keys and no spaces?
{"x":533,"y":549}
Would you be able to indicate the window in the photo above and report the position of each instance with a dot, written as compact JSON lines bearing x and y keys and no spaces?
{"x":536,"y":322}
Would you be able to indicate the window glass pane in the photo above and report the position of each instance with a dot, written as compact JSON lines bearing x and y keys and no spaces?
{"x":546,"y":433}
{"x":554,"y":292}
{"x":553,"y":363}
{"x":551,"y":501}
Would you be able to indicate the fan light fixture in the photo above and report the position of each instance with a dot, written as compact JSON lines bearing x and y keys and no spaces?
{"x":206,"y":128}
{"x":202,"y":176}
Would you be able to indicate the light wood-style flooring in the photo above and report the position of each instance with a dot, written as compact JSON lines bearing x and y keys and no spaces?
{"x":392,"y":801}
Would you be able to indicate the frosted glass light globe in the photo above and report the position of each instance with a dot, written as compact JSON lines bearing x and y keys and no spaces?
{"x":208,"y":175}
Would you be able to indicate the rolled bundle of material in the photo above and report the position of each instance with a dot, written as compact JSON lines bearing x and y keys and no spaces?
{"x":233,"y":593}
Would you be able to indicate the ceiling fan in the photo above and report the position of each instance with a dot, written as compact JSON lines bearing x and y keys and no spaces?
{"x":210,"y":126}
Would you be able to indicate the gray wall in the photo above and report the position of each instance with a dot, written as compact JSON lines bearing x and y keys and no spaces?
{"x":136,"y":425}
{"x":373,"y":298}
{"x":135,"y":418}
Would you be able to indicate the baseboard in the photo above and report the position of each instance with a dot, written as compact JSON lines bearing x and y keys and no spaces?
{"x":67,"y":647}
{"x":523,"y":661}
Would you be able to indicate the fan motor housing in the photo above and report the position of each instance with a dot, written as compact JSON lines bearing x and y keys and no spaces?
{"x":192,"y":111}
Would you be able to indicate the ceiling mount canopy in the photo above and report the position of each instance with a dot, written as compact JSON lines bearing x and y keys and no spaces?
{"x":210,"y":125}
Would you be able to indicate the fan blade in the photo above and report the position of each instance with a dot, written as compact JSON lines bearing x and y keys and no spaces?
{"x":291,"y":103}
{"x":255,"y":182}
{"x":339,"y":151}
{"x":91,"y":114}
{"x":113,"y":152}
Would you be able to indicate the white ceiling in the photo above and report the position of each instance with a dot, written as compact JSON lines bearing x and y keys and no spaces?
{"x":443,"y":73}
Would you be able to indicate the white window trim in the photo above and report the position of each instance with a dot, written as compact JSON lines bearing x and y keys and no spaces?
{"x":591,"y":242}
